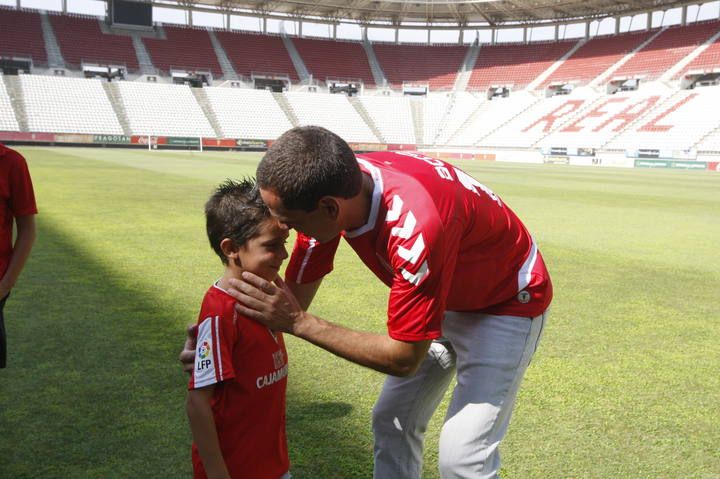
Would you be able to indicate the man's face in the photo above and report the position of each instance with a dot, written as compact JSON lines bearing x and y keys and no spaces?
{"x":318,"y":223}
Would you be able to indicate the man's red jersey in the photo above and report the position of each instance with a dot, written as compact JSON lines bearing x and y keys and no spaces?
{"x":248,"y":364}
{"x":16,"y":199}
{"x":441,"y":241}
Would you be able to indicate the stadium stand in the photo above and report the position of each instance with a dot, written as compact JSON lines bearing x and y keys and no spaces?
{"x":21,"y":35}
{"x":596,"y":56}
{"x":679,"y":124}
{"x":333,"y":112}
{"x":515,"y":65}
{"x":462,"y":105}
{"x":667,"y":49}
{"x":68,"y":105}
{"x":81,"y":39}
{"x":257,"y":53}
{"x":163,"y":110}
{"x":536,"y":122}
{"x":392,"y":116}
{"x":334,"y":59}
{"x":183,"y":48}
{"x":585,"y":119}
{"x":708,"y":60}
{"x":434,"y":108}
{"x":436,"y":65}
{"x":8,"y":122}
{"x":490,"y":116}
{"x":248,"y":114}
{"x":711,"y":143}
{"x":659,"y":115}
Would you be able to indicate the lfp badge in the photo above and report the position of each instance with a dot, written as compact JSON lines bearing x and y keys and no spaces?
{"x":205,"y":350}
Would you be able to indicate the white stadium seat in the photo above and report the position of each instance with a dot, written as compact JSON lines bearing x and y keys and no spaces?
{"x":462,"y":106}
{"x":434,"y":108}
{"x":68,"y":105}
{"x":247,"y":114}
{"x":333,"y":112}
{"x":7,"y":115}
{"x":538,"y":121}
{"x":392,"y":116}
{"x":682,"y":120}
{"x":711,"y":142}
{"x":158,"y":109}
{"x":490,"y":116}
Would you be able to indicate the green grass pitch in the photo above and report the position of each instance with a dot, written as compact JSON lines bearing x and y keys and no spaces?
{"x":625,"y":383}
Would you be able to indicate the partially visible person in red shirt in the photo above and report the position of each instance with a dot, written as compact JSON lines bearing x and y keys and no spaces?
{"x":17,"y":204}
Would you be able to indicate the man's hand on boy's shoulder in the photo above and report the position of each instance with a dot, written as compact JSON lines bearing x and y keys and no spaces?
{"x":187,"y":355}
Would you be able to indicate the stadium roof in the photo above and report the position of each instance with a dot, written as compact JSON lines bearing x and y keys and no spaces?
{"x":475,"y":12}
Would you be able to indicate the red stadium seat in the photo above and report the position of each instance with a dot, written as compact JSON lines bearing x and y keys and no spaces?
{"x":183,"y":48}
{"x":436,"y":65}
{"x":81,"y":39}
{"x":21,"y":35}
{"x":667,"y":49}
{"x":516,"y":64}
{"x":257,"y":53}
{"x":596,"y":56}
{"x":334,"y":59}
{"x":707,"y":60}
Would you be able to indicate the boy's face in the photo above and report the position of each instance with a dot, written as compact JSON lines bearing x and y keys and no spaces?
{"x":263,"y":255}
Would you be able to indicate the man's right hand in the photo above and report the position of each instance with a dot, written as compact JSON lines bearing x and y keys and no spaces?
{"x":187,"y":355}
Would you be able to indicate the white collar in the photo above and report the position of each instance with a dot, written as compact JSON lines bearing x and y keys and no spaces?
{"x":375,"y":201}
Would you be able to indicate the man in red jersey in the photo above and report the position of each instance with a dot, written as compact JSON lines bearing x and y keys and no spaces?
{"x":236,"y":398}
{"x":17,"y":205}
{"x":469,"y":291}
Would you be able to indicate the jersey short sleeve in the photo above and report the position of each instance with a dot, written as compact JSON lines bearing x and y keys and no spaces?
{"x":310,"y":260}
{"x":422,"y":254}
{"x":213,"y":353}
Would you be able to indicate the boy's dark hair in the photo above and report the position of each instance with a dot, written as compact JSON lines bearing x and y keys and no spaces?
{"x":235,"y":211}
{"x":307,"y":163}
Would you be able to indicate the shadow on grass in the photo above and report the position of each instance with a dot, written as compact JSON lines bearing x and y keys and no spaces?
{"x":93,"y":387}
{"x":322,"y":445}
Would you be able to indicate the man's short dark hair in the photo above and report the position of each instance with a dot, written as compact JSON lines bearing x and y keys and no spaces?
{"x":307,"y":163}
{"x":235,"y":211}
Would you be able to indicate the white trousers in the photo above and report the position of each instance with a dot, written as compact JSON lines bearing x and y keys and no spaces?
{"x":489,"y":354}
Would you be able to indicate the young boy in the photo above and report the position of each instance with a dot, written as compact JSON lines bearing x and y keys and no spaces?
{"x":236,"y":398}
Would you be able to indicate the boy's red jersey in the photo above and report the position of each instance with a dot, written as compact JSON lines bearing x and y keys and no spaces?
{"x":248,"y":365}
{"x":441,"y":241}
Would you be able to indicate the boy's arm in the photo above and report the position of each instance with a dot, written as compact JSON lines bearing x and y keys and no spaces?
{"x":26,"y":233}
{"x":204,"y":432}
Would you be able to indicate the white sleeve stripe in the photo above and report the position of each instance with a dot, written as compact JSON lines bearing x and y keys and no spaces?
{"x":204,"y":371}
{"x":217,"y":347}
{"x":413,"y":254}
{"x":306,"y":258}
{"x":525,"y":273}
{"x":417,"y":278}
